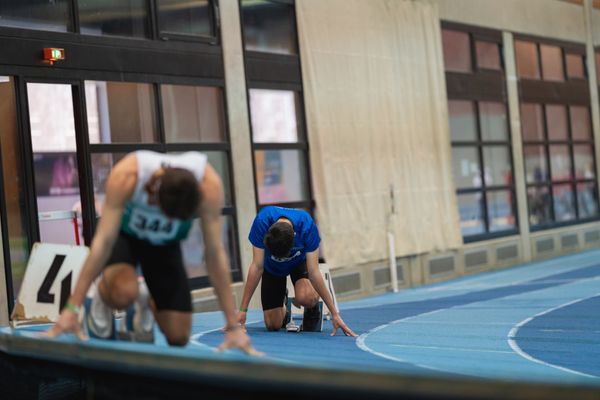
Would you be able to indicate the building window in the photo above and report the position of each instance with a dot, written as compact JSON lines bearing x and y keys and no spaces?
{"x":127,"y":18}
{"x":480,"y":134}
{"x":276,"y":107}
{"x":558,"y":145}
{"x":192,"y":118}
{"x":40,"y":15}
{"x":185,"y":18}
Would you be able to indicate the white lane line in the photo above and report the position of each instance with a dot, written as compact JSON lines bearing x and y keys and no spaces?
{"x":513,"y":334}
{"x":195,"y":339}
{"x":410,"y":346}
{"x":360,"y":341}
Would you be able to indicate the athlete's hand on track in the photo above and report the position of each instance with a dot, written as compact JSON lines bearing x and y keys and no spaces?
{"x":338,"y":322}
{"x":241,"y":319}
{"x":68,"y":321}
{"x":236,"y":338}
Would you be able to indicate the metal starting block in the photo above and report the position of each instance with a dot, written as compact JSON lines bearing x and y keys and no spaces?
{"x":310,"y":323}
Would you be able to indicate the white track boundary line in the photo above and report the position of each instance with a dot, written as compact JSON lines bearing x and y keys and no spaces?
{"x":410,"y":346}
{"x":517,"y":349}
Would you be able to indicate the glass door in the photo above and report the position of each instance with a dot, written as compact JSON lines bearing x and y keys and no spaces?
{"x":55,"y":169}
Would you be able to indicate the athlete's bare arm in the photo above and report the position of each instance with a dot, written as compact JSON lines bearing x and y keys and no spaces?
{"x":255,"y":272}
{"x":119,"y":189}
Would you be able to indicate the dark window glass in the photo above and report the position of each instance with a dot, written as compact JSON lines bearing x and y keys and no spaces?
{"x":556,"y":122}
{"x":560,"y":163}
{"x":45,"y":15}
{"x":193,"y":18}
{"x":552,"y":63}
{"x":575,"y":67}
{"x":564,"y":202}
{"x":269,"y":27}
{"x":470,"y":209}
{"x":219,"y":161}
{"x":193,"y":114}
{"x":121,"y":112}
{"x":463,"y":123}
{"x":532,"y":122}
{"x":465,"y":167}
{"x":457,"y":51}
{"x":274,"y":116}
{"x":580,"y":123}
{"x":539,"y":203}
{"x":501,"y":210}
{"x":488,"y":55}
{"x":493,"y":120}
{"x":536,"y":170}
{"x":527,"y":60}
{"x":281,"y":176}
{"x":123,"y":18}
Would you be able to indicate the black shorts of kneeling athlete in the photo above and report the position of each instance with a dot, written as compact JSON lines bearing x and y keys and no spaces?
{"x":162,"y":267}
{"x":272,"y":291}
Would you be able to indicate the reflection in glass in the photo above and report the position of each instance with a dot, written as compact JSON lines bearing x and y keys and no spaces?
{"x":580,"y":123}
{"x":193,"y":247}
{"x":494,"y":124}
{"x":564,"y":204}
{"x":281,"y":176}
{"x":556,"y":122}
{"x":457,"y":51}
{"x":539,"y":204}
{"x":497,"y":165}
{"x":488,"y":55}
{"x":560,"y":163}
{"x":587,"y":199}
{"x":536,"y":169}
{"x":14,"y":184}
{"x":463,"y":125}
{"x":52,"y":15}
{"x":192,"y":17}
{"x":193,"y":114}
{"x":269,"y":27}
{"x":584,"y":161}
{"x":501,"y":210}
{"x":123,"y":18}
{"x":465,"y":167}
{"x":121,"y":112}
{"x":552,"y":63}
{"x":527,"y":59}
{"x":532,"y":122}
{"x":274,"y":116}
{"x":575,"y":67}
{"x":102,"y":164}
{"x":219,"y":161}
{"x":470,"y":209}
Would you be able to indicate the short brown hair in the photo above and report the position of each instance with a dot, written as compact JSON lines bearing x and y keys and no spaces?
{"x":280,"y":239}
{"x":178,"y":194}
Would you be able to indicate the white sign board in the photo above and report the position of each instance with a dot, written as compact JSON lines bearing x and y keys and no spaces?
{"x":51,"y":274}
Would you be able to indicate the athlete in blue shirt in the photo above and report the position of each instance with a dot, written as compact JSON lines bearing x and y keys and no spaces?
{"x":286,"y":242}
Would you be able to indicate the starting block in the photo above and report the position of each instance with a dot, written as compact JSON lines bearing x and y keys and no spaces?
{"x":324,"y":268}
{"x":310,"y":323}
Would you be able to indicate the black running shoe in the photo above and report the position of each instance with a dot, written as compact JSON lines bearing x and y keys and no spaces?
{"x":313,"y":318}
{"x":288,"y":310}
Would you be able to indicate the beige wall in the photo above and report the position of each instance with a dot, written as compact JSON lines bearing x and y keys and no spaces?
{"x":547,"y":18}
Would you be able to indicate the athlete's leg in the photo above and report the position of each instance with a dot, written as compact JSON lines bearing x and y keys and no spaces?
{"x":118,"y":286}
{"x":272,"y":296}
{"x":167,"y":282}
{"x":305,"y":294}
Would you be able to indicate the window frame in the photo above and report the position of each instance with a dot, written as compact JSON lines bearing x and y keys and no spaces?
{"x":567,"y":93}
{"x":483,"y":85}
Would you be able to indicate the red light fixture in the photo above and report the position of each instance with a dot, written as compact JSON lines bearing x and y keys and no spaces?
{"x":52,"y":54}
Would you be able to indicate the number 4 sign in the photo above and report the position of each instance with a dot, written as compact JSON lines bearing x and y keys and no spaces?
{"x":51,"y":273}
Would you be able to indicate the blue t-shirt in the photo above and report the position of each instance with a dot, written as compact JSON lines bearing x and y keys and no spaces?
{"x":307,"y":237}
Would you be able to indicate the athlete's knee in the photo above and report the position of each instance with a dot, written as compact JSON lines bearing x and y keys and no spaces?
{"x":178,"y":338}
{"x":307,"y":297}
{"x":121,"y":292}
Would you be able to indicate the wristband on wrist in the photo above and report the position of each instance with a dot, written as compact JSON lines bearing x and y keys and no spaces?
{"x":72,"y":307}
{"x":242,"y":309}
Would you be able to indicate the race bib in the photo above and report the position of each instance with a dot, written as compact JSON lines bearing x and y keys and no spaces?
{"x":152,"y":227}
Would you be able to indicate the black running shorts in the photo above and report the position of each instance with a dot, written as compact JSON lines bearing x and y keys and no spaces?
{"x":272,"y":291}
{"x":162,"y":267}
